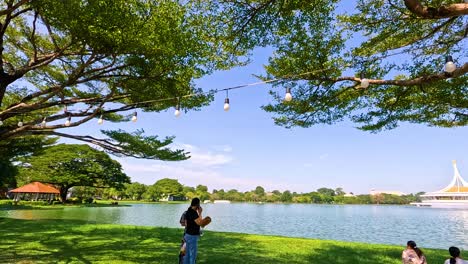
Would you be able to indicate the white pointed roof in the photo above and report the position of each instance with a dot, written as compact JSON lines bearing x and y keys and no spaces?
{"x":458,"y":184}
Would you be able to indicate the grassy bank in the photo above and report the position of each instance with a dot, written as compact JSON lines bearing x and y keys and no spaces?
{"x":26,"y":205}
{"x":10,"y":205}
{"x":68,"y":241}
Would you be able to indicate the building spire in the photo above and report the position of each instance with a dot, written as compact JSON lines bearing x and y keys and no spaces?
{"x":457,"y":182}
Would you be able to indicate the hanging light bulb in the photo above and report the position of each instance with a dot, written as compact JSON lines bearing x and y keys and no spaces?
{"x":226,"y":102}
{"x":20,"y":123}
{"x":226,"y":105}
{"x":68,"y":122}
{"x":177,"y":110}
{"x":134,"y":117}
{"x":44,"y":122}
{"x":100,"y":121}
{"x":449,"y":65}
{"x":288,"y":96}
{"x":364,"y":82}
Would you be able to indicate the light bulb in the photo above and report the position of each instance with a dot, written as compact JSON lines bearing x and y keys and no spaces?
{"x":449,"y":65}
{"x":177,"y":113}
{"x":44,"y":122}
{"x":20,"y":123}
{"x":134,"y":117}
{"x":364,"y":83}
{"x":68,"y":122}
{"x":1,"y":122}
{"x":100,"y":121}
{"x":288,"y":96}
{"x":226,"y":104}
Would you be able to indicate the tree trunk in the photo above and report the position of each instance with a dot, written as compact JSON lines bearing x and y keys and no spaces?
{"x":63,"y":193}
{"x":3,"y":86}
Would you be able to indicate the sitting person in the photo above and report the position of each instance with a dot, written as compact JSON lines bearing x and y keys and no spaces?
{"x":455,"y":259}
{"x":412,"y":254}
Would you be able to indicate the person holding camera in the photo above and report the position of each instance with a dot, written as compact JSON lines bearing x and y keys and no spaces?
{"x":193,"y":221}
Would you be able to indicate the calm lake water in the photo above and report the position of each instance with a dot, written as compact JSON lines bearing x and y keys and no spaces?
{"x":434,"y":228}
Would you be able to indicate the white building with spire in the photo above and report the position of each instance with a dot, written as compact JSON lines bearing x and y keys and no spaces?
{"x":454,"y":195}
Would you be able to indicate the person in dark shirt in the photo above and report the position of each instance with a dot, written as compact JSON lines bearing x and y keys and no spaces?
{"x":193,"y":221}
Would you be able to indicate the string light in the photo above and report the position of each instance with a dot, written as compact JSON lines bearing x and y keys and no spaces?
{"x":134,"y":117}
{"x":68,"y":122}
{"x":177,"y":111}
{"x":288,"y":96}
{"x":100,"y":121}
{"x":226,"y":102}
{"x":44,"y":122}
{"x":20,"y":123}
{"x":449,"y":65}
{"x":364,"y":82}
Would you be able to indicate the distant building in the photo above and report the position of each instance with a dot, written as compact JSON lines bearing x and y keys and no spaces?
{"x":349,"y":195}
{"x":455,"y":195}
{"x":221,"y":201}
{"x":376,"y":192}
{"x":173,"y":198}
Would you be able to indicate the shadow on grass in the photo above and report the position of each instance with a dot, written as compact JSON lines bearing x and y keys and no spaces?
{"x":75,"y":241}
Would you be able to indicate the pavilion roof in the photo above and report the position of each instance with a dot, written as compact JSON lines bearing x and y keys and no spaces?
{"x":457,"y":185}
{"x":36,"y":187}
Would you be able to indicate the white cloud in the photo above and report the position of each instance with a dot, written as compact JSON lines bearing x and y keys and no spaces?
{"x":205,"y":167}
{"x":323,"y":156}
{"x":209,"y":159}
{"x":204,"y":158}
{"x":224,"y":148}
{"x":192,"y":176}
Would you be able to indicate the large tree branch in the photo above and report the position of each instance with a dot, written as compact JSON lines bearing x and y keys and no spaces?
{"x":103,"y":143}
{"x":11,"y":8}
{"x":30,"y":126}
{"x":444,"y":11}
{"x":410,"y":82}
{"x":23,"y":108}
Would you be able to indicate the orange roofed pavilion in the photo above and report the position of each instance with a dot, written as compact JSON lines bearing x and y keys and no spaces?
{"x":35,"y":191}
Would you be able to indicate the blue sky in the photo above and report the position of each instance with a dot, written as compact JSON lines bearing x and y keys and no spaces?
{"x":242,"y":148}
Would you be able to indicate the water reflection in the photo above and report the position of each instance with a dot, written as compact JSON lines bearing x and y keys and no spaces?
{"x":436,"y":228}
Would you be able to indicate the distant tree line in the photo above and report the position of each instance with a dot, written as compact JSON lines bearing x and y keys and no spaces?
{"x":90,"y":174}
{"x":165,"y":188}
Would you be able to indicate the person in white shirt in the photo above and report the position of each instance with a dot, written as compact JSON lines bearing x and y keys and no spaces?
{"x":412,"y":254}
{"x":455,"y":259}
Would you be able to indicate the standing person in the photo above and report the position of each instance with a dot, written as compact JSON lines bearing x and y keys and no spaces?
{"x":193,"y":219}
{"x":412,"y":254}
{"x":183,"y":246}
{"x":455,"y":259}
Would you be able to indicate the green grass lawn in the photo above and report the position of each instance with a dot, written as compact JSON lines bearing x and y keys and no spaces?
{"x":70,"y":241}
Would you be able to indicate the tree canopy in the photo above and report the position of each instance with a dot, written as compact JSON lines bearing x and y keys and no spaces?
{"x":374,"y":62}
{"x":14,"y":151}
{"x":67,"y":166}
{"x":166,"y":187}
{"x":65,"y":63}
